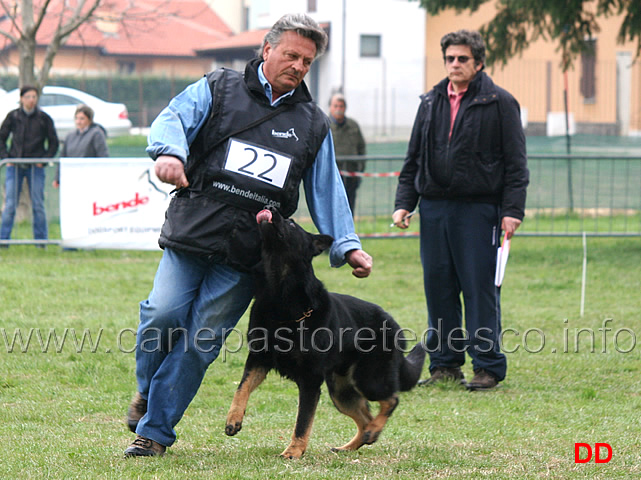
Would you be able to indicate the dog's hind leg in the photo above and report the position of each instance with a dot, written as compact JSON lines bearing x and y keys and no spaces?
{"x":308,"y":396}
{"x":375,"y":427}
{"x":252,"y":378}
{"x":351,"y":403}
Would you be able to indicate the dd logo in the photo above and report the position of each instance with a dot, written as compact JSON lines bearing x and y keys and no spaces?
{"x":597,"y":451}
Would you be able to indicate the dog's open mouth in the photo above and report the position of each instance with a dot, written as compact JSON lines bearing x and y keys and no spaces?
{"x":264,"y":216}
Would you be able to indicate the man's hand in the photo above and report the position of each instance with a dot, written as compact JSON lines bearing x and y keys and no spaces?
{"x":171,"y":170}
{"x":360,"y":261}
{"x":400,"y":218}
{"x":509,"y":225}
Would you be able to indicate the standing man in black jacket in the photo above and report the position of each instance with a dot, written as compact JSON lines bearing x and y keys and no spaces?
{"x":32,"y":136}
{"x":467,"y":165}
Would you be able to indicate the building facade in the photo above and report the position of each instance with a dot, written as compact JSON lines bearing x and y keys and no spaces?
{"x":603,"y":89}
{"x":375,"y":56}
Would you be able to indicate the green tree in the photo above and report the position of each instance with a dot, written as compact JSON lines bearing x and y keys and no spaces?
{"x":518,"y":23}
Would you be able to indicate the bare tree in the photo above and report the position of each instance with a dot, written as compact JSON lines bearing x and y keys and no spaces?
{"x":26,"y":20}
{"x":61,"y":18}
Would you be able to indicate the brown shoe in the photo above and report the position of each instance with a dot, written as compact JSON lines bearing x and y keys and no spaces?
{"x":144,"y":447}
{"x":482,"y":380}
{"x":444,"y":374}
{"x":137,"y":409}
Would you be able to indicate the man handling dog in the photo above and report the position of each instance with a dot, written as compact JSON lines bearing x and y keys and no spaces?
{"x":231,"y":143}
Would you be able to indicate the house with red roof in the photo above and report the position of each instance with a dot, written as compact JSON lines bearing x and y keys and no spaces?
{"x":375,"y":56}
{"x":145,"y":37}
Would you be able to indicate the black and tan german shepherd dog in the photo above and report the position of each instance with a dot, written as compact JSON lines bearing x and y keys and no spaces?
{"x":310,"y":335}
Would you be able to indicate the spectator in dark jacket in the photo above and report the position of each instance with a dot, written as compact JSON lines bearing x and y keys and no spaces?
{"x":32,"y":136}
{"x":466,"y":166}
{"x":88,"y":140}
{"x":348,"y":140}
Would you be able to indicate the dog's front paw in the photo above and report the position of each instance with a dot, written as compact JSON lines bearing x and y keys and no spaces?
{"x":233,"y":428}
{"x":234,"y":420}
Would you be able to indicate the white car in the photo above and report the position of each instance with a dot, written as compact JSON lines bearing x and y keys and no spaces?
{"x":61,"y":102}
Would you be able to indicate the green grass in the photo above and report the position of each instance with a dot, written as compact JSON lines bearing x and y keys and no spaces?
{"x":62,"y":412}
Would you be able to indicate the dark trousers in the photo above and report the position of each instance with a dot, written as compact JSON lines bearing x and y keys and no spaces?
{"x":459,"y":242}
{"x":351,"y":185}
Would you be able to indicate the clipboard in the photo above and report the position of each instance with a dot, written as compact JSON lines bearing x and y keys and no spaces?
{"x":502,"y":254}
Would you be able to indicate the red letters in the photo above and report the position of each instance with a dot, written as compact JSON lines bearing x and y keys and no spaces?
{"x":577,"y":453}
{"x":134,"y":202}
{"x":597,"y":451}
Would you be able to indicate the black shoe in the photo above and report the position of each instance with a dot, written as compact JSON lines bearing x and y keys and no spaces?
{"x":144,"y":447}
{"x":483,"y":380}
{"x":443,"y":374}
{"x":137,"y":409}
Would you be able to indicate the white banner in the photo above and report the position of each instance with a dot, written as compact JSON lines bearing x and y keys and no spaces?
{"x":111,"y":203}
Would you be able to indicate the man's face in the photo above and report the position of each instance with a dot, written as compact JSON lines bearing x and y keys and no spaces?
{"x":337,"y":109}
{"x":287,"y":64}
{"x":460,"y":72}
{"x":29,"y":100}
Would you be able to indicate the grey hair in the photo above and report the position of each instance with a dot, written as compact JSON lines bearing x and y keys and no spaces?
{"x":338,"y":96}
{"x":302,"y":25}
{"x":471,"y":38}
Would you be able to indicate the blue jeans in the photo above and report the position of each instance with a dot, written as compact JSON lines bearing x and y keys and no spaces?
{"x":13,"y":186}
{"x":459,"y":241}
{"x":193,"y":306}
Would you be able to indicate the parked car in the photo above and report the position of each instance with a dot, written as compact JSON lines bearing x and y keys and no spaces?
{"x":61,"y":102}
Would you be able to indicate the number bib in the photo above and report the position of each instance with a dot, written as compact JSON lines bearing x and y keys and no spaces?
{"x":257,"y":163}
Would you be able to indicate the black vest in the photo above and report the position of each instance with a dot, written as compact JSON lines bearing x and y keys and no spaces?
{"x":230,"y":181}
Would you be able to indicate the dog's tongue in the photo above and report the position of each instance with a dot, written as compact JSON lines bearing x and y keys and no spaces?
{"x":264,"y":216}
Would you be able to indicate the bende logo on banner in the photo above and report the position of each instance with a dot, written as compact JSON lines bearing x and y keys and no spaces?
{"x":111,"y":203}
{"x":119,"y":206}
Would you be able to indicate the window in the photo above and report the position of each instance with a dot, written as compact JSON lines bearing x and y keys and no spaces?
{"x":370,"y":45}
{"x":588,"y":71}
{"x":52,"y":99}
{"x":125,"y":67}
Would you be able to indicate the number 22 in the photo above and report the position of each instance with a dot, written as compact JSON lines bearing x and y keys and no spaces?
{"x":261,"y":175}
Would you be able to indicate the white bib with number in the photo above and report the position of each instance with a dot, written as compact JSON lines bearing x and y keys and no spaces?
{"x":257,"y":162}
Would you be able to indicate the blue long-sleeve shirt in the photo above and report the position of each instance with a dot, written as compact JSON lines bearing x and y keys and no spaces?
{"x":176,"y":127}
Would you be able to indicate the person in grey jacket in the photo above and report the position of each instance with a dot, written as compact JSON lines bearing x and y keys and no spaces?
{"x":466,"y":166}
{"x":87,"y":141}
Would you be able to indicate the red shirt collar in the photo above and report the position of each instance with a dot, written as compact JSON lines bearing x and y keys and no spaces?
{"x":451,"y":92}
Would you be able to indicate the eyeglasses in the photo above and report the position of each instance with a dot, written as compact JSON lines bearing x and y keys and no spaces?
{"x":460,"y":58}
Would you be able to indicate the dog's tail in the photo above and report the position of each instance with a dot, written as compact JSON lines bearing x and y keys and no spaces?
{"x":412,"y":367}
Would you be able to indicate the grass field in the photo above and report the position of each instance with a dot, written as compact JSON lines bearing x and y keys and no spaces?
{"x":63,"y":405}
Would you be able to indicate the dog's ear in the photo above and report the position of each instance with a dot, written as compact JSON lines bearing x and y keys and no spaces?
{"x":321,"y":243}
